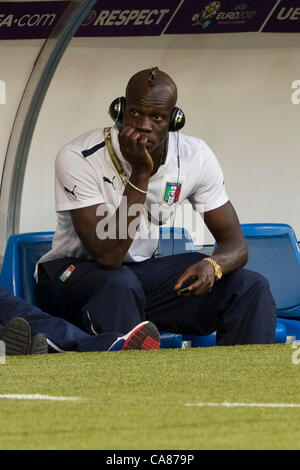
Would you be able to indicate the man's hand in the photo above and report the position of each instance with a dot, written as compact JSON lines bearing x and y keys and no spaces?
{"x":203,"y":275}
{"x":133,"y":148}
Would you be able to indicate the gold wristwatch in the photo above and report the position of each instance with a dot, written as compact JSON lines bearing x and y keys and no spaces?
{"x":217,"y":268}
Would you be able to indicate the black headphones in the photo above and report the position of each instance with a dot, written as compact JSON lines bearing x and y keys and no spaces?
{"x":117,"y":108}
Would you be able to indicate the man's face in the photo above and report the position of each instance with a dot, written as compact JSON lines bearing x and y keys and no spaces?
{"x":148,"y":110}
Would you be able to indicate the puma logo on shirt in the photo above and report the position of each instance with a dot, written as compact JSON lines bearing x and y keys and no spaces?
{"x":107,"y":180}
{"x":72,"y":193}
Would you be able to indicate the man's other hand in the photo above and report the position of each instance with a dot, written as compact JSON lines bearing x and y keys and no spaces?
{"x":199,"y":276}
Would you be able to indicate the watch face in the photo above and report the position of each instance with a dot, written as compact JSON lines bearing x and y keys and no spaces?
{"x":218,"y":273}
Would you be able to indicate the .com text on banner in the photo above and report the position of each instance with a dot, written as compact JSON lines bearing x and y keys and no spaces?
{"x":29,"y":20}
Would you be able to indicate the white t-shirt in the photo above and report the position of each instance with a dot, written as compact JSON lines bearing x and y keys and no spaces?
{"x":85,"y":175}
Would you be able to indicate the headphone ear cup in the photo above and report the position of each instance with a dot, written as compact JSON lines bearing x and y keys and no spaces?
{"x":177,"y":120}
{"x":116,"y":109}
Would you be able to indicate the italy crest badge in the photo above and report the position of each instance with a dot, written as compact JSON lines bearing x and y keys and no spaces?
{"x":172,"y":192}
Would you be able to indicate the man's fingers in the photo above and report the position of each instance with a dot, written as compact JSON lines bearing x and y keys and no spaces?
{"x":183,"y":278}
{"x":203,"y":280}
{"x":126,"y":132}
{"x":128,"y":135}
{"x":133,"y":141}
{"x":141,"y":143}
{"x":197,"y":288}
{"x":199,"y":283}
{"x":142,"y":140}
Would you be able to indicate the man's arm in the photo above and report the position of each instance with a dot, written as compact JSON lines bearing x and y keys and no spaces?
{"x":231,"y":252}
{"x":110,"y":252}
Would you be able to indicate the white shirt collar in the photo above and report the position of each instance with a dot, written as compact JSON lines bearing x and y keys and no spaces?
{"x":114,"y":132}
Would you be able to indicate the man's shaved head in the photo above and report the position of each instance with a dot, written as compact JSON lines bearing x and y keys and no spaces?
{"x":149,"y":79}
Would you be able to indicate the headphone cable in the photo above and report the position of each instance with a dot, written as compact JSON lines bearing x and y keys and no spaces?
{"x":173,"y":223}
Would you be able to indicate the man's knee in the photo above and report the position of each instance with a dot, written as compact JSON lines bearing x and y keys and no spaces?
{"x":244,"y":279}
{"x":250,"y":314}
{"x":126,"y":281}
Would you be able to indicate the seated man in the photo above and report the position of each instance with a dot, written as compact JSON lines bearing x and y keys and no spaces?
{"x":25,"y":329}
{"x":102,"y":273}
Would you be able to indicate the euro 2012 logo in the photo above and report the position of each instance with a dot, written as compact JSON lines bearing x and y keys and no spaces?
{"x":205,"y":18}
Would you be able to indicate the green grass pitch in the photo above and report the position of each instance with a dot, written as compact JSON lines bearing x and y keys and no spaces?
{"x":138,"y":399}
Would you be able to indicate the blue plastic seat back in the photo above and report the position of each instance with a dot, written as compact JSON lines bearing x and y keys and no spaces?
{"x":30,"y":254}
{"x":274,"y":253}
{"x":21,"y":255}
{"x":174,"y":240}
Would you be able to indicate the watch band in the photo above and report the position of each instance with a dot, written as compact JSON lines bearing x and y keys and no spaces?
{"x":217,"y":267}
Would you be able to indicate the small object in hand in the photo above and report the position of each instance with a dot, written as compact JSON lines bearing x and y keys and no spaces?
{"x":183,"y":290}
{"x":186,"y":285}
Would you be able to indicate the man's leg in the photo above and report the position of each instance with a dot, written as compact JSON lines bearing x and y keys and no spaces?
{"x":240,"y":306}
{"x":248,"y":309}
{"x":94,"y":299}
{"x":61,"y":335}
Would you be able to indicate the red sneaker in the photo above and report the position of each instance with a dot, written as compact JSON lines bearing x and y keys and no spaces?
{"x":144,"y":336}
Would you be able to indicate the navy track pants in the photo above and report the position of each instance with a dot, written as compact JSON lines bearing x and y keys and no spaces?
{"x":61,"y":335}
{"x":240,"y":306}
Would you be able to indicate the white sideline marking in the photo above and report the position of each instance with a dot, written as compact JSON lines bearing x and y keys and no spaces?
{"x":251,"y":405}
{"x":40,"y":397}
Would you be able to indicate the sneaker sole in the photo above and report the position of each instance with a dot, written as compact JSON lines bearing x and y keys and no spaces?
{"x":16,"y":336}
{"x":39,"y":344}
{"x":144,"y":337}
